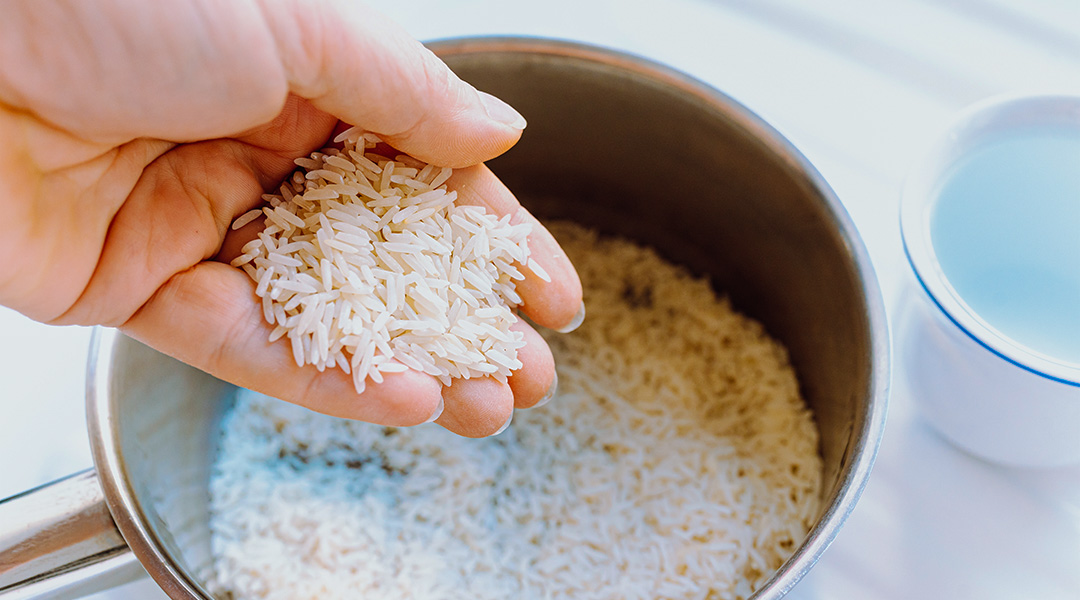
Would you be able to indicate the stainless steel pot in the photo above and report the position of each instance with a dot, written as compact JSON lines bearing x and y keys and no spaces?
{"x":615,"y":142}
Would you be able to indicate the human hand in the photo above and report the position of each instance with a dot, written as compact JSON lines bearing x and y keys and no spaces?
{"x":134,"y":133}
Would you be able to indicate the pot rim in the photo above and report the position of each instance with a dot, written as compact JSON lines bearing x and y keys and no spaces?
{"x":866,"y":436}
{"x":120,"y":496}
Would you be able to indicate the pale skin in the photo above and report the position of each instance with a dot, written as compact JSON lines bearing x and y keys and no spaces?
{"x":133,"y":133}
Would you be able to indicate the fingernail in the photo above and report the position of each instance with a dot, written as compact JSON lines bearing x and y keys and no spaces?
{"x":505,"y":425}
{"x":550,"y":393}
{"x":502,"y":112}
{"x":438,"y":411}
{"x":576,"y":322}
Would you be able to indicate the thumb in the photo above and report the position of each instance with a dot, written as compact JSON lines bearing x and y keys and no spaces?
{"x":361,"y":67}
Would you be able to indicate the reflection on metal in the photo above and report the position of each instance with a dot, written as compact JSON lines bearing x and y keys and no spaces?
{"x":58,"y":539}
{"x":615,"y":142}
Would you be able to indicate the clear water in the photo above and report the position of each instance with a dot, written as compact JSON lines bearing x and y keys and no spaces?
{"x":1006,"y":231}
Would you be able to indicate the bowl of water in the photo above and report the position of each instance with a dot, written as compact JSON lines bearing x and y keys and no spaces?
{"x":990,"y":334}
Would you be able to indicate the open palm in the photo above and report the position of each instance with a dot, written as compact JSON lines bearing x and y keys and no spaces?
{"x":133,"y":133}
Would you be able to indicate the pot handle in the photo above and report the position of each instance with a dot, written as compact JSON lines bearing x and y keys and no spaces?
{"x":59,"y":542}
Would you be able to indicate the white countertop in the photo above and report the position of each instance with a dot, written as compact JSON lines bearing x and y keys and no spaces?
{"x":860,"y":88}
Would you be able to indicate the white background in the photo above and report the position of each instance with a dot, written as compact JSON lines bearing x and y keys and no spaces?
{"x":861,"y":88}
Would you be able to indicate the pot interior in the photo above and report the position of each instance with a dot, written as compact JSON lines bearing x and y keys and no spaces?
{"x":629,"y":149}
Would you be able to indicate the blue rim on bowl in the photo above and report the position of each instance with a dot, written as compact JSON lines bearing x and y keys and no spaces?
{"x":978,"y":122}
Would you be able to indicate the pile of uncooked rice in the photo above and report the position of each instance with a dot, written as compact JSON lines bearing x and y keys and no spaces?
{"x":366,"y":263}
{"x":677,"y":461}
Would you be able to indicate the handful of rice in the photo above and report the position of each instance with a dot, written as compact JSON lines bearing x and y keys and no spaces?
{"x":367,"y":264}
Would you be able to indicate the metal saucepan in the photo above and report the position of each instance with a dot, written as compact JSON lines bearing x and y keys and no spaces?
{"x":615,"y":142}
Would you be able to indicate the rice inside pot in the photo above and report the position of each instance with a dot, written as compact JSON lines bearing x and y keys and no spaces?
{"x":678,"y":461}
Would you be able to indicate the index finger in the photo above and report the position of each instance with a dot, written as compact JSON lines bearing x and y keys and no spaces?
{"x":359,"y":66}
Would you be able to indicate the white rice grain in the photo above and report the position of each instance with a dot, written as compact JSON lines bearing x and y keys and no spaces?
{"x":246,"y":218}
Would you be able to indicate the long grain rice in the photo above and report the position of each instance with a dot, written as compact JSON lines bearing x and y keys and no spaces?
{"x":351,"y":212}
{"x":678,"y":461}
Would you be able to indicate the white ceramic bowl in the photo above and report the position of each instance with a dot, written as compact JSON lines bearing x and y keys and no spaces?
{"x":986,"y":392}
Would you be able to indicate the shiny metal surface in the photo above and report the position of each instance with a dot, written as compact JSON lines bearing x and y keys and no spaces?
{"x":633,"y":148}
{"x":620,"y":144}
{"x":153,"y":427}
{"x":62,"y":530}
